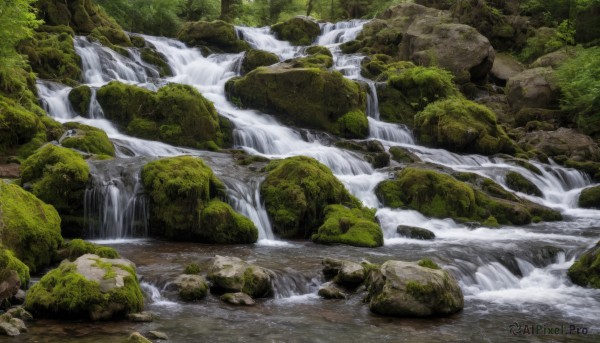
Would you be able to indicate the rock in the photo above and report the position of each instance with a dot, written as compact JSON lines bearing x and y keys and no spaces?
{"x":8,"y":329}
{"x":304,"y":97}
{"x":456,"y":47}
{"x":87,"y":139}
{"x":318,"y":57}
{"x":182,"y":192}
{"x":20,"y":313}
{"x":505,"y":66}
{"x":217,"y":35}
{"x":90,"y":288}
{"x":191,"y":287}
{"x":462,"y":126}
{"x":590,"y":198}
{"x":415,"y":232}
{"x":10,"y":283}
{"x":296,"y":192}
{"x":299,"y":30}
{"x":239,"y":298}
{"x":533,"y":88}
{"x":406,"y":289}
{"x":351,"y":226}
{"x":137,"y":337}
{"x":552,"y":60}
{"x":29,"y":227}
{"x":18,"y":324}
{"x":585,"y":271}
{"x":19,"y":298}
{"x":75,"y":248}
{"x":10,"y":171}
{"x":141,"y":317}
{"x":329,"y":290}
{"x":345,"y":273}
{"x":403,"y":155}
{"x":562,"y":142}
{"x":231,"y":274}
{"x":519,"y":183}
{"x":80,"y":98}
{"x":158,"y":335}
{"x":257,"y":58}
{"x":158,"y":59}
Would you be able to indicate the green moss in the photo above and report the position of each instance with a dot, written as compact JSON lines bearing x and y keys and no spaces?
{"x":114,"y":35}
{"x":28,"y":227}
{"x":143,"y":128}
{"x":8,"y":261}
{"x":88,"y":139}
{"x":19,"y":84}
{"x":428,"y":263}
{"x":318,"y":57}
{"x":77,"y":247}
{"x":353,"y":124}
{"x":122,"y":103}
{"x":194,"y":293}
{"x":590,"y":197}
{"x":296,"y":191}
{"x":586,"y":270}
{"x":18,"y":126}
{"x":221,"y":224}
{"x":402,"y":155}
{"x":257,"y":58}
{"x":298,"y":31}
{"x":217,"y":35}
{"x":158,"y":59}
{"x":355,"y":226}
{"x":58,"y":176}
{"x":462,"y":126}
{"x":192,"y":269}
{"x":423,"y":85}
{"x":80,"y":98}
{"x":491,"y":221}
{"x":519,"y":183}
{"x":420,"y":291}
{"x":304,"y":97}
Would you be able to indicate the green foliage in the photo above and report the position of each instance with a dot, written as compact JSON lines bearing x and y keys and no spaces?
{"x":586,"y":270}
{"x":75,"y":248}
{"x":579,"y":80}
{"x":428,"y":263}
{"x":8,"y":261}
{"x":351,"y":226}
{"x":28,"y":227}
{"x":88,"y":139}
{"x":17,"y":22}
{"x":192,"y":269}
{"x":222,"y":225}
{"x":296,"y":192}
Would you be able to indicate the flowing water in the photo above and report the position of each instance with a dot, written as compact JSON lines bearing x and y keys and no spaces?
{"x":508,"y":275}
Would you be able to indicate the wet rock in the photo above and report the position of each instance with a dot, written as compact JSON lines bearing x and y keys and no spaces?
{"x":299,"y":30}
{"x":158,"y":335}
{"x":191,"y":287}
{"x":141,"y":317}
{"x":239,"y":298}
{"x":231,"y":274}
{"x":137,"y":337}
{"x":344,"y":272}
{"x":562,"y":142}
{"x":19,"y":298}
{"x":407,"y":289}
{"x":415,"y":232}
{"x":329,"y":290}
{"x":8,"y":329}
{"x":10,"y":283}
{"x":403,"y":155}
{"x":217,"y":36}
{"x":585,"y":272}
{"x":590,"y":198}
{"x":519,"y":183}
{"x":10,"y":171}
{"x":533,"y":88}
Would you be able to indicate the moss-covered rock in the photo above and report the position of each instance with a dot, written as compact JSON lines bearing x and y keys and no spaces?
{"x":590,"y":197}
{"x":87,"y":139}
{"x":462,"y":126}
{"x":9,"y":262}
{"x":403,"y":155}
{"x":231,"y":274}
{"x":344,"y":273}
{"x":585,"y":271}
{"x":414,"y":232}
{"x":28,"y":227}
{"x":298,"y":30}
{"x":57,"y":176}
{"x":257,"y":58}
{"x":190,"y":287}
{"x":19,"y":127}
{"x":519,"y":183}
{"x":156,"y":58}
{"x":75,"y":248}
{"x":121,"y":103}
{"x":304,"y":97}
{"x":318,"y":57}
{"x":91,"y":287}
{"x":80,"y":98}
{"x":357,"y":227}
{"x":222,"y":225}
{"x":296,"y":192}
{"x":217,"y":35}
{"x":52,"y":56}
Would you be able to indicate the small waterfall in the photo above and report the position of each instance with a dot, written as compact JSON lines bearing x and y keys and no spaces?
{"x":95,"y":110}
{"x":341,"y":32}
{"x":55,"y":99}
{"x":115,"y":206}
{"x":291,"y":285}
{"x":156,"y":299}
{"x":262,"y":38}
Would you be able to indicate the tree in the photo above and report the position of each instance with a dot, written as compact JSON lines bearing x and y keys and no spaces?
{"x":17,"y":22}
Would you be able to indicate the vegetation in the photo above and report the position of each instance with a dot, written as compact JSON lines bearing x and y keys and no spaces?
{"x":356,"y":226}
{"x":8,"y":262}
{"x":75,"y":248}
{"x":88,"y":139}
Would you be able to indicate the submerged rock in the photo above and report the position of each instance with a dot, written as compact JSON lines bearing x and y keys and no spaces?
{"x":585,"y":271}
{"x":415,"y":232}
{"x":157,"y":335}
{"x":232,"y":275}
{"x":407,"y":289}
{"x":329,"y":290}
{"x":137,"y":337}
{"x":141,"y":317}
{"x":239,"y":298}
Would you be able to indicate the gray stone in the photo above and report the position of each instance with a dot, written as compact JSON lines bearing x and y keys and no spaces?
{"x":141,"y":317}
{"x":158,"y":335}
{"x":344,"y":272}
{"x":19,"y":324}
{"x":8,"y":329}
{"x":231,"y":274}
{"x":533,"y":88}
{"x":562,"y":142}
{"x":238,"y":298}
{"x":191,"y":287}
{"x":506,"y":66}
{"x":329,"y":290}
{"x":415,"y":232}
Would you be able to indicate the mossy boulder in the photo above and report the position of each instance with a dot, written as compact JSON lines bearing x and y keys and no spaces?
{"x":10,"y":263}
{"x":415,"y":232}
{"x":231,"y":274}
{"x":217,"y":35}
{"x":318,"y":57}
{"x":57,"y":176}
{"x":157,"y":59}
{"x":304,"y":97}
{"x":590,"y":198}
{"x":176,"y":114}
{"x":519,"y":183}
{"x":190,"y":287}
{"x":403,"y":155}
{"x":182,"y":193}
{"x":408,"y":289}
{"x":257,"y":58}
{"x":344,"y":273}
{"x":52,"y":56}
{"x":92,"y":288}
{"x":462,"y":126}
{"x":80,"y":98}
{"x":356,"y":226}
{"x":298,"y":30}
{"x":87,"y":139}
{"x":19,"y":127}
{"x":585,"y":271}
{"x":75,"y":248}
{"x":296,"y":192}
{"x":28,"y":227}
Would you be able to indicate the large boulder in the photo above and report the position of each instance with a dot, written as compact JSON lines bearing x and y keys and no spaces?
{"x":218,"y":36}
{"x":231,"y":275}
{"x":563,"y":142}
{"x":296,"y":192}
{"x":461,"y":125}
{"x":28,"y":227}
{"x":298,"y":30}
{"x":533,"y":88}
{"x":505,"y":66}
{"x":304,"y":97}
{"x":92,"y":287}
{"x":590,"y":198}
{"x":351,"y":226}
{"x":182,"y":193}
{"x":411,"y":289}
{"x":585,"y":271}
{"x":87,"y":139}
{"x":22,"y":129}
{"x":257,"y":58}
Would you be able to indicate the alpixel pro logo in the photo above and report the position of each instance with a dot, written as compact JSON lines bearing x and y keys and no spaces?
{"x":516,"y":329}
